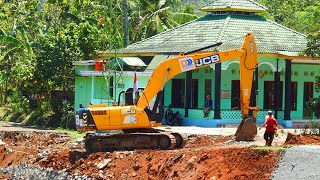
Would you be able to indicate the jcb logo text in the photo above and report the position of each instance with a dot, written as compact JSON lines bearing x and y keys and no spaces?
{"x":208,"y":60}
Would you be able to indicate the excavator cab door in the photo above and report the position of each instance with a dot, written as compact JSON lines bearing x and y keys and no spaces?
{"x":128,"y":97}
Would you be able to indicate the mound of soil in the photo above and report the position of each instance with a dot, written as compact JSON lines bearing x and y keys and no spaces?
{"x":206,"y":163}
{"x":307,"y":139}
{"x":203,"y":141}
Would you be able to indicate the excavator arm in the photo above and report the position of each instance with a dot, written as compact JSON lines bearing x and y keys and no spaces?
{"x":183,"y":63}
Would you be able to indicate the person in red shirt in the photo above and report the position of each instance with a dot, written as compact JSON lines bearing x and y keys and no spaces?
{"x":271,"y":127}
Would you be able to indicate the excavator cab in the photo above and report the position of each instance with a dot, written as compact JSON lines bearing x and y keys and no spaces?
{"x":155,"y":108}
{"x":127,"y":97}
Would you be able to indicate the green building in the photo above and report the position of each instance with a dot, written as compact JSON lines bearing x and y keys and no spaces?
{"x":285,"y":82}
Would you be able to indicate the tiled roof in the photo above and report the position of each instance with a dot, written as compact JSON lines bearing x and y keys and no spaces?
{"x":233,"y":5}
{"x":270,"y":36}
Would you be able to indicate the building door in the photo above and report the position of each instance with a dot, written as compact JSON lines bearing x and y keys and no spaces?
{"x":235,"y":94}
{"x":307,"y":95}
{"x":268,"y":101}
{"x":178,"y":90}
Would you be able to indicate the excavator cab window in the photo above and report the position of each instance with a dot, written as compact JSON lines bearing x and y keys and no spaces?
{"x":128,"y":98}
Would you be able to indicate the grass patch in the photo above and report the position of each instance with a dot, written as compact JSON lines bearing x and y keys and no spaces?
{"x":3,"y":111}
{"x":74,"y":134}
{"x":270,"y":148}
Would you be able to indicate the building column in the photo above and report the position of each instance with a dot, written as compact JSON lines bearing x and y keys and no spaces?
{"x":276,"y":91}
{"x":217,"y":91}
{"x":287,"y":108}
{"x":188,"y":93}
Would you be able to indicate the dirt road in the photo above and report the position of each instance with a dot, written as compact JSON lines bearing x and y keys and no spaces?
{"x":10,"y":126}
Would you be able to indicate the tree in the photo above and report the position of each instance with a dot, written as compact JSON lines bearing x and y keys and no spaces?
{"x":149,"y":18}
{"x":17,"y":57}
{"x":40,"y":39}
{"x":17,"y":54}
{"x":313,"y":44}
{"x":301,"y":16}
{"x":307,"y":20}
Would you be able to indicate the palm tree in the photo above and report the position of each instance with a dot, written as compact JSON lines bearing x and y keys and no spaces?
{"x":150,"y":17}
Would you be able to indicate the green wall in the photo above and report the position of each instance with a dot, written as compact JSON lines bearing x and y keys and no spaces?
{"x":303,"y":73}
{"x":93,"y":89}
{"x":82,"y":91}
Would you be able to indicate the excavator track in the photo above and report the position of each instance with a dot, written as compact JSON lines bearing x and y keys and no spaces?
{"x":181,"y":139}
{"x":130,"y":141}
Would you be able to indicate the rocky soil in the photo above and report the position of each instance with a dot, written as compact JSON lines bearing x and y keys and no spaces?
{"x":50,"y":155}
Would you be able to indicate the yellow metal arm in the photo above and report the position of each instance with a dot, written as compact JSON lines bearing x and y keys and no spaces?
{"x":183,"y":63}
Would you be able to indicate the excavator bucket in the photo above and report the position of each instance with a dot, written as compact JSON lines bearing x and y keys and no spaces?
{"x":247,"y":130}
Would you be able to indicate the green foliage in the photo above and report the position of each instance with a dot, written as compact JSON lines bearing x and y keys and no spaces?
{"x":38,"y":117}
{"x":40,"y":39}
{"x":314,"y":105}
{"x":313,"y":47}
{"x":317,"y":84}
{"x":307,"y":20}
{"x":20,"y":103}
{"x":197,"y":4}
{"x":287,"y":12}
{"x":157,"y":16}
{"x":314,"y":127}
{"x":302,"y":16}
{"x":54,"y":54}
{"x":67,"y":118}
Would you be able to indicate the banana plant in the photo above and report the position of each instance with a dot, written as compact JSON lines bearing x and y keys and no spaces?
{"x":14,"y":49}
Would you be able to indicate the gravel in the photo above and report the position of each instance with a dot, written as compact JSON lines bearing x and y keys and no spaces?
{"x":30,"y":172}
{"x":299,"y":162}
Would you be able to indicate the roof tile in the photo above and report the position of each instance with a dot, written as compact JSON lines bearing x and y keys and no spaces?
{"x":270,"y":36}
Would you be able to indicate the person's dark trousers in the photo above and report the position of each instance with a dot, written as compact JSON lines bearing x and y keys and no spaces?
{"x":268,"y":136}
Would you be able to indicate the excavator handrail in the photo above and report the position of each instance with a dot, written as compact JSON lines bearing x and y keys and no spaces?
{"x":214,"y":45}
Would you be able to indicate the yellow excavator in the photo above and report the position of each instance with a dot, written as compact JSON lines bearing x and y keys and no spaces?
{"x":137,"y":122}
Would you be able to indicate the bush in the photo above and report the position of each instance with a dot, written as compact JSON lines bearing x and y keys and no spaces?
{"x":314,"y":127}
{"x":19,"y":103}
{"x":314,"y":105}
